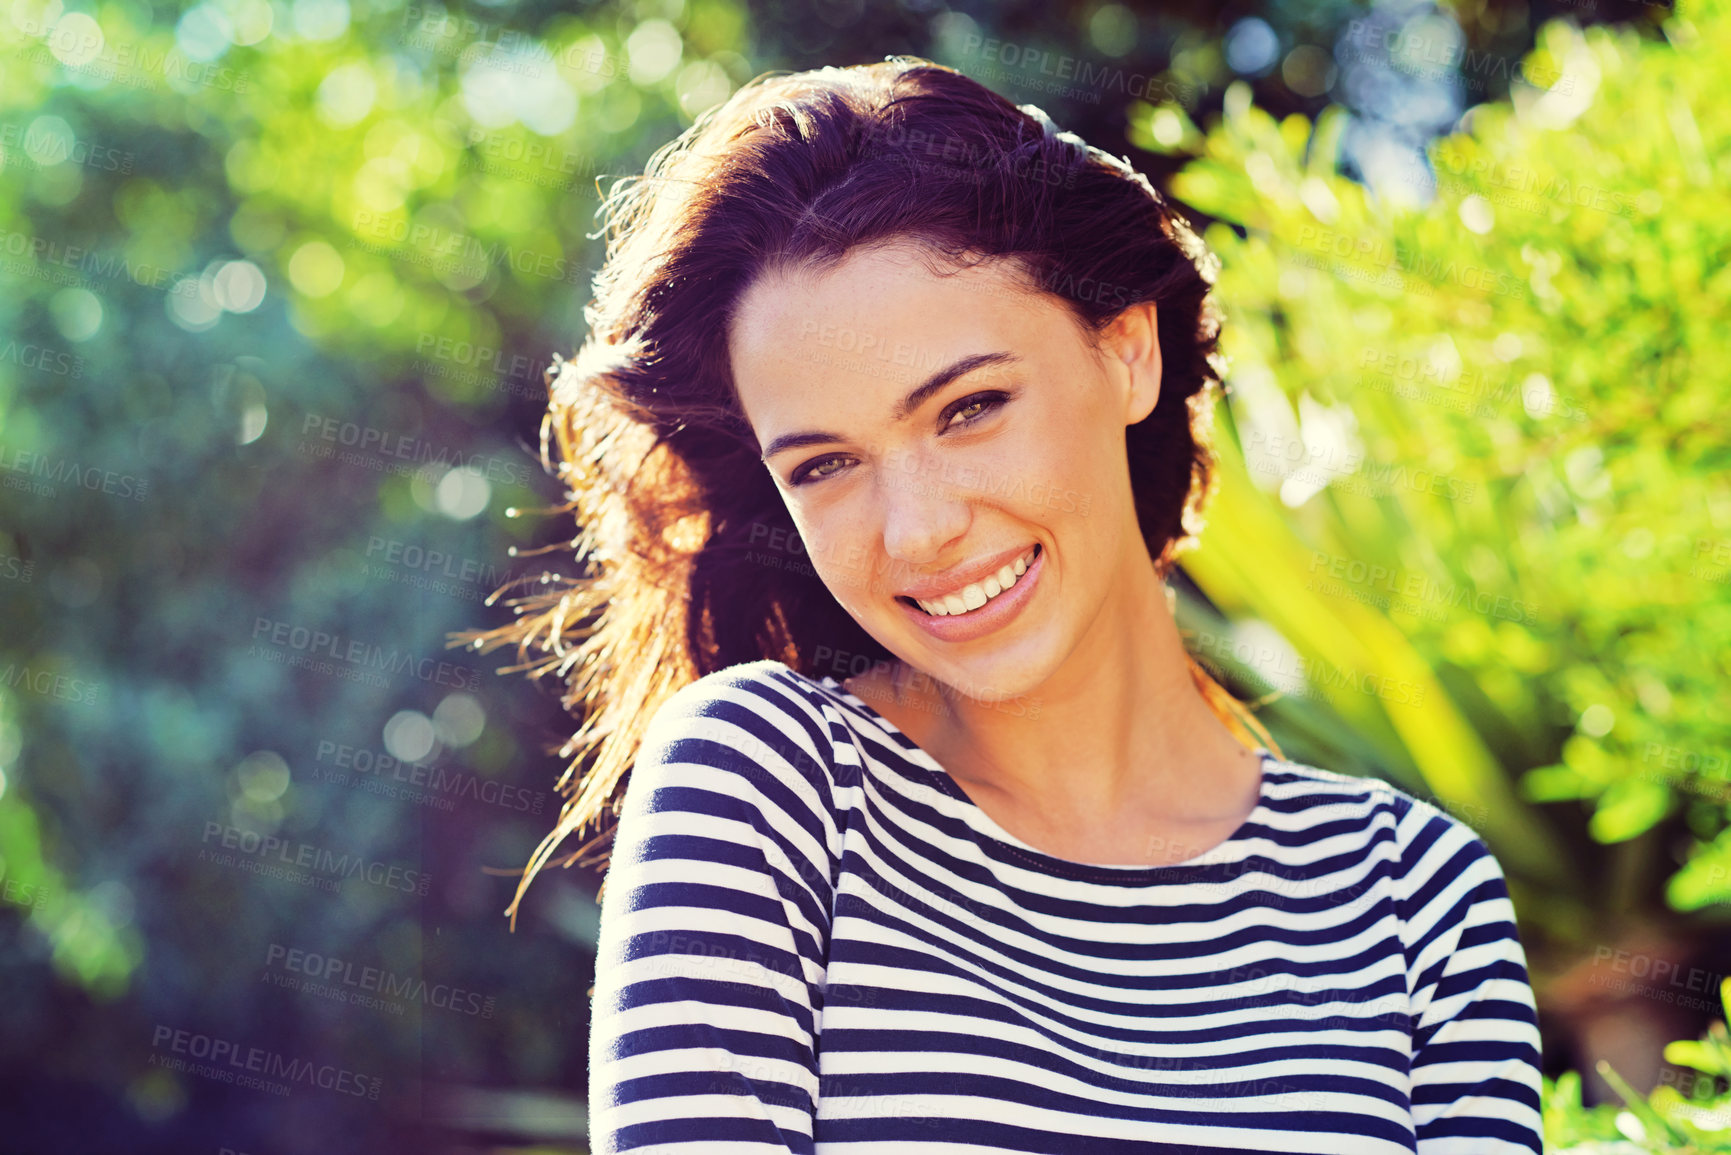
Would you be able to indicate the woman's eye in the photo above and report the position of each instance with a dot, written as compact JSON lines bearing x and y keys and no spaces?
{"x":815,"y":470}
{"x":971,"y":409}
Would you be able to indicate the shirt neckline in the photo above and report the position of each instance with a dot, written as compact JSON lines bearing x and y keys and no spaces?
{"x":1069,"y":868}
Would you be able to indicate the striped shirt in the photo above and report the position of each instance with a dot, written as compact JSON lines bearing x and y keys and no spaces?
{"x":813,"y":941}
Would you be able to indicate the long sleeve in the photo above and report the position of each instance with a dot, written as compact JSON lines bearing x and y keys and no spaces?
{"x":1476,"y":1049}
{"x":714,"y":928}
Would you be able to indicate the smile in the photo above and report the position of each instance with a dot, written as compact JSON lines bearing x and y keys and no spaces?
{"x":984,"y":606}
{"x":971,"y":597}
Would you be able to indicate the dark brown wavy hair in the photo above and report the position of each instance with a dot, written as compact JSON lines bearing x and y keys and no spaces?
{"x":662,"y":470}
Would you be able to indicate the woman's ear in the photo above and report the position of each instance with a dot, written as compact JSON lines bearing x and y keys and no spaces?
{"x":1133,"y":340}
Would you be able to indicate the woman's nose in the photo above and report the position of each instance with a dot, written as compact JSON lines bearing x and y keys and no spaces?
{"x":922,"y":511}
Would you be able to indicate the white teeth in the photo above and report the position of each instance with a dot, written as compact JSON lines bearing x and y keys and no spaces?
{"x":974,"y":596}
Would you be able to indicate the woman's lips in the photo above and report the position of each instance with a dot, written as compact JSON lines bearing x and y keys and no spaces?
{"x":971,"y":597}
{"x":996,"y":613}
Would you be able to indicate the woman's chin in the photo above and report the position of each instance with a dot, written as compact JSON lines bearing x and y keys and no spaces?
{"x":1000,"y":679}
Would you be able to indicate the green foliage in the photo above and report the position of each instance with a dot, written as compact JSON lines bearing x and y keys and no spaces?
{"x":1476,"y":477}
{"x":406,"y":194}
{"x":217,"y":260}
{"x":87,"y":948}
{"x":1669,"y":1120}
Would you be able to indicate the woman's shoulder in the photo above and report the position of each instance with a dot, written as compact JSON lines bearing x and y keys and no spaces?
{"x":753,"y":717}
{"x":1321,"y":795}
{"x":1428,"y":839}
{"x":1449,"y":888}
{"x":767,"y":687}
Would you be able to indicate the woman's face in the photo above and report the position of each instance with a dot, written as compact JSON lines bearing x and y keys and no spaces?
{"x":931,"y":434}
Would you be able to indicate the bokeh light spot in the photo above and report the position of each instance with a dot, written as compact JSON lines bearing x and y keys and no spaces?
{"x":409,"y":735}
{"x":462,"y":493}
{"x":190,"y":309}
{"x":459,"y":719}
{"x":263,"y":776}
{"x":76,"y":40}
{"x":76,"y":312}
{"x":1112,"y":29}
{"x":239,"y":286}
{"x":1476,"y":214}
{"x":48,"y":141}
{"x":204,"y":32}
{"x":321,"y":19}
{"x":653,"y":49}
{"x":346,"y":95}
{"x":701,"y":84}
{"x":316,"y":269}
{"x":1251,"y":47}
{"x":1597,"y":720}
{"x":249,"y":20}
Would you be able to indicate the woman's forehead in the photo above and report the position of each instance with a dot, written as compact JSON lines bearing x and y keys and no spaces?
{"x":889,"y":289}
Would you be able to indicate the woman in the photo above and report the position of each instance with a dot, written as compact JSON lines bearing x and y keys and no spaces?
{"x":889,"y":379}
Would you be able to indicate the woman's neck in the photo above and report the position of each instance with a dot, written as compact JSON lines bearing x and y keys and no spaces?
{"x":1118,"y":743}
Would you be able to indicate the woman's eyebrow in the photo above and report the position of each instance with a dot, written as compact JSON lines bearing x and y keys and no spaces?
{"x":904,"y":408}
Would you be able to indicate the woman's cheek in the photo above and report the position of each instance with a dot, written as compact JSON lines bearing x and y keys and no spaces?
{"x":842,"y":567}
